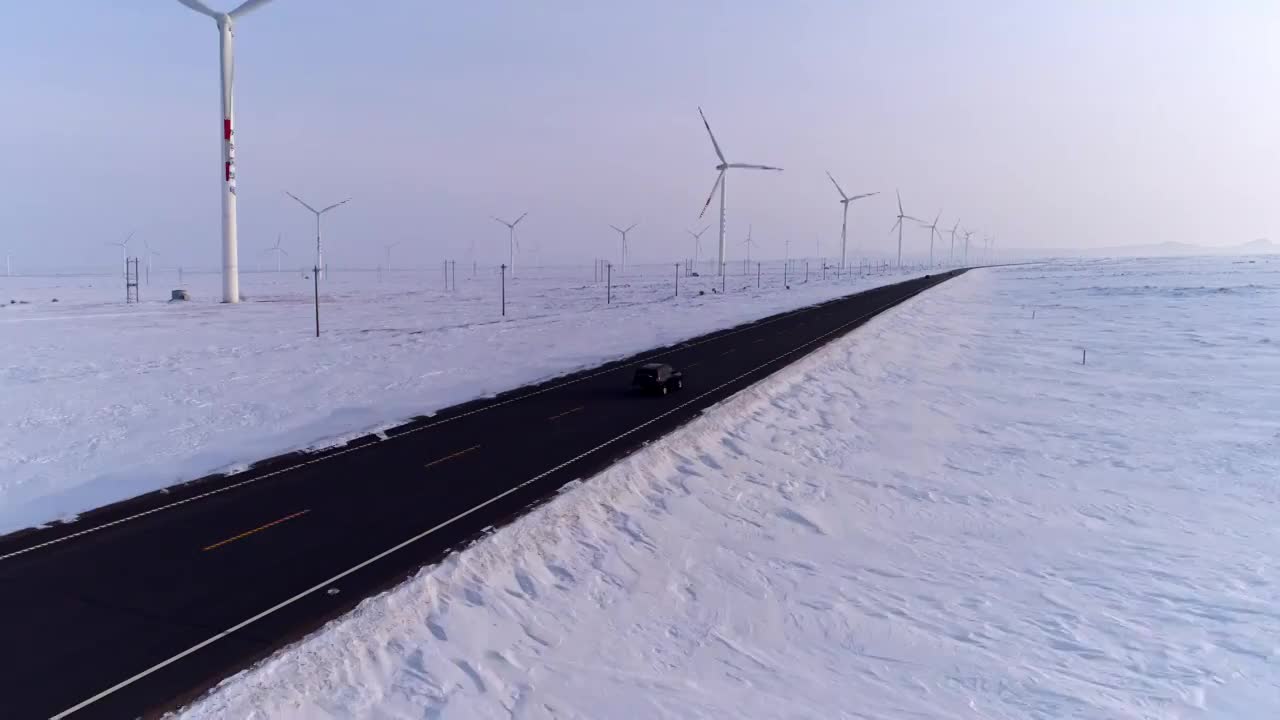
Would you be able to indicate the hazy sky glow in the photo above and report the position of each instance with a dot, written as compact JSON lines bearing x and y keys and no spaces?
{"x":1079,"y":123}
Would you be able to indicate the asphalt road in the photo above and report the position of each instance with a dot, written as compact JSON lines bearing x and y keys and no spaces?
{"x":138,"y":608}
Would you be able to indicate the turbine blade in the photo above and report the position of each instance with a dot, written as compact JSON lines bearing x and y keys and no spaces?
{"x":615,"y":227}
{"x":863,"y":195}
{"x":517,"y":222}
{"x":714,"y":188}
{"x":201,"y":8}
{"x":247,"y":6}
{"x":895,"y":226}
{"x":754,"y":167}
{"x":633,"y":226}
{"x":937,"y":218}
{"x":344,"y":202}
{"x":838,"y":188}
{"x":714,"y":144}
{"x":295,"y":197}
{"x":504,"y":222}
{"x":899,"y":194}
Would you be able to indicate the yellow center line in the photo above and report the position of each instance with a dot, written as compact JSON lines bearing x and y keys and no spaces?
{"x":257,"y":529}
{"x":446,"y":458}
{"x":566,"y":412}
{"x":696,"y":364}
{"x":726,"y":352}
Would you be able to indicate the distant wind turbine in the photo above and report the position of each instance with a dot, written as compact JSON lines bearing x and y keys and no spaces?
{"x":723,"y":167}
{"x":748,"y":242}
{"x":967,"y":235}
{"x":226,"y":20}
{"x":623,"y":233}
{"x":845,"y":201}
{"x":511,"y":240}
{"x":933,"y":230}
{"x":318,"y":213}
{"x":898,"y":225}
{"x":387,"y":249}
{"x":697,"y":243}
{"x":150,"y":253}
{"x":124,"y":250}
{"x":277,"y":250}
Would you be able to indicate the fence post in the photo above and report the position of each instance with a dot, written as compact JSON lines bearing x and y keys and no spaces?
{"x":677,"y":279}
{"x":315,"y":279}
{"x":504,"y":290}
{"x":757,"y":276}
{"x":806,"y":271}
{"x":608,"y":286}
{"x":786,"y":264}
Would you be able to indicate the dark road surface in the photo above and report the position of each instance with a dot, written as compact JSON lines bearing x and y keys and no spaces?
{"x":138,"y":608}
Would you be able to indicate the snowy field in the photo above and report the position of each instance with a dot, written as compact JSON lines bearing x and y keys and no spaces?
{"x":944,"y":515}
{"x":103,"y":401}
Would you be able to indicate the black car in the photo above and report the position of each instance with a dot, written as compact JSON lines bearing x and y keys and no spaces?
{"x":659,"y":378}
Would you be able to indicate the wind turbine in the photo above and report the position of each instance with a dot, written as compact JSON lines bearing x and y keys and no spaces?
{"x":967,"y":235}
{"x":124,"y":250}
{"x":898,"y":225}
{"x":723,"y":167}
{"x":845,"y":200}
{"x":951,"y":257}
{"x":226,"y":21}
{"x":150,"y":254}
{"x":277,"y":250}
{"x":933,"y":230}
{"x":511,"y":241}
{"x":319,"y":250}
{"x":748,"y":243}
{"x":387,"y":249}
{"x":623,"y":233}
{"x":697,"y":243}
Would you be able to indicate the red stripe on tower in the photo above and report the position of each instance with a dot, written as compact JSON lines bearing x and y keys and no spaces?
{"x":226,"y":128}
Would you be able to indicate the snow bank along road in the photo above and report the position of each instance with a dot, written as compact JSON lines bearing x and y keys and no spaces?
{"x":140,"y":606}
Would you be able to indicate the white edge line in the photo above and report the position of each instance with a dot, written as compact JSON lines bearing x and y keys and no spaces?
{"x":406,"y":433}
{"x":285,"y":603}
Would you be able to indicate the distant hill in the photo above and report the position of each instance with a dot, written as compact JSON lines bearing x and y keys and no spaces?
{"x":1261,"y":246}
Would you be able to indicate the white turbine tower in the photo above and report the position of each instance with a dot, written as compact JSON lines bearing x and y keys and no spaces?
{"x":697,"y":243}
{"x":511,"y":241}
{"x":951,"y":256}
{"x":898,"y":225}
{"x":226,"y":35}
{"x":845,"y":200}
{"x":623,"y":233}
{"x":319,"y":250}
{"x":277,"y":250}
{"x":723,"y":167}
{"x":933,"y":230}
{"x":967,"y":235}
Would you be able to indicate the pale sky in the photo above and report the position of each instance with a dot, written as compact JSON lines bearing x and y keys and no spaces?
{"x":1048,"y":124}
